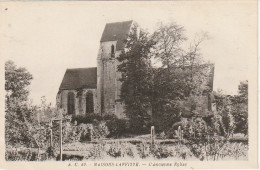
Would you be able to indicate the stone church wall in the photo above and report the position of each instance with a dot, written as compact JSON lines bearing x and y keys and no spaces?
{"x":80,"y":100}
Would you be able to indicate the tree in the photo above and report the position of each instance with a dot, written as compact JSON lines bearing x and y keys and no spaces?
{"x":135,"y":67}
{"x":240,"y":108}
{"x":168,"y":41}
{"x":169,"y":92}
{"x":182,"y":80}
{"x":21,"y":129}
{"x":16,"y":81}
{"x":233,"y":111}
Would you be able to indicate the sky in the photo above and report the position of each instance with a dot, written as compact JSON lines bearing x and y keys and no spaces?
{"x":48,"y":37}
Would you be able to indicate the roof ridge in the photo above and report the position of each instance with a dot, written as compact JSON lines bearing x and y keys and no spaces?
{"x":119,"y":22}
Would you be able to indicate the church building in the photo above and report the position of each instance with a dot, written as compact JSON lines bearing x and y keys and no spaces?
{"x":96,"y":90}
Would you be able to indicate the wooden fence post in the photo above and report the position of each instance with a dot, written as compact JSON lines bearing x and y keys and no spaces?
{"x":51,"y":137}
{"x":60,"y":139}
{"x":179,"y":133}
{"x":152,"y":135}
{"x":91,"y":133}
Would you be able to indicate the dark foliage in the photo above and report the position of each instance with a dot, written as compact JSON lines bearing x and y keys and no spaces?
{"x":88,"y":118}
{"x":117,"y":127}
{"x":135,"y":67}
{"x":240,"y":108}
{"x":16,"y":81}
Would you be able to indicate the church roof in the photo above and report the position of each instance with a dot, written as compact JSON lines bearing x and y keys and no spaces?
{"x":79,"y":78}
{"x":117,"y":31}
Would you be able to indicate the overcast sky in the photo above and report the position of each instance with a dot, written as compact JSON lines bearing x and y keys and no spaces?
{"x":47,"y":38}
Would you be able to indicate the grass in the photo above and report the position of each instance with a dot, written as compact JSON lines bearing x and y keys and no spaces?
{"x":139,"y":148}
{"x":125,"y":150}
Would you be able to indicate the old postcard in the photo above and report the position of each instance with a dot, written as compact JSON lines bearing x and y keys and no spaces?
{"x":128,"y":85}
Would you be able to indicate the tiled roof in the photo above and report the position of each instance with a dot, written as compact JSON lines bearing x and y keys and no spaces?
{"x":79,"y":78}
{"x":117,"y":31}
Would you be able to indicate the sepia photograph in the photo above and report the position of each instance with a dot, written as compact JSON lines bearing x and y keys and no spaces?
{"x":129,"y":84}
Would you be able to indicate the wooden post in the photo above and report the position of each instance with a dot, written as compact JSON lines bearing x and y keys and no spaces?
{"x":51,"y":136}
{"x":60,"y":139}
{"x":152,"y":135}
{"x":179,"y":131}
{"x":91,"y":133}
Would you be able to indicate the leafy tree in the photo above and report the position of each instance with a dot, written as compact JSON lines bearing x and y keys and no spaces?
{"x":201,"y":139}
{"x":182,"y":80}
{"x":240,"y":108}
{"x":233,"y":111}
{"x":16,"y":81}
{"x":168,"y":43}
{"x":170,"y":92}
{"x":135,"y":66}
{"x":21,"y":129}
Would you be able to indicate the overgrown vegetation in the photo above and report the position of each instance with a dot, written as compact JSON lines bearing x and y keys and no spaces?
{"x":161,"y":95}
{"x":169,"y":96}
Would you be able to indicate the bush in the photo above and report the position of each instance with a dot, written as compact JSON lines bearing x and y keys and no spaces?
{"x":202,"y":139}
{"x":100,"y":130}
{"x":118,"y":149}
{"x":83,"y":131}
{"x":97,"y":151}
{"x":115,"y":150}
{"x":117,"y":127}
{"x":23,"y":155}
{"x":144,"y":150}
{"x":159,"y":151}
{"x":89,"y":118}
{"x":86,"y":132}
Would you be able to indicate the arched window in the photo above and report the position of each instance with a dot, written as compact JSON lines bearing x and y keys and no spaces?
{"x":112,"y":51}
{"x":71,"y":103}
{"x":89,"y":103}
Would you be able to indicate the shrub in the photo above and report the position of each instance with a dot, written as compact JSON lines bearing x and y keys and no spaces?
{"x":86,"y":132}
{"x":159,"y":151}
{"x":144,"y":150}
{"x":97,"y":151}
{"x":129,"y":151}
{"x":180,"y":151}
{"x":83,"y":131}
{"x":100,"y":130}
{"x":24,"y":155}
{"x":89,"y":118}
{"x":115,"y":150}
{"x":117,"y":127}
{"x":201,"y":139}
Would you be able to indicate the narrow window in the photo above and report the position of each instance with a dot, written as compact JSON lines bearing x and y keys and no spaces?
{"x":112,"y":51}
{"x":71,"y":103}
{"x":89,"y":103}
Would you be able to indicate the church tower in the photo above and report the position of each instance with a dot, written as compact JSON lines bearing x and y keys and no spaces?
{"x":108,"y":84}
